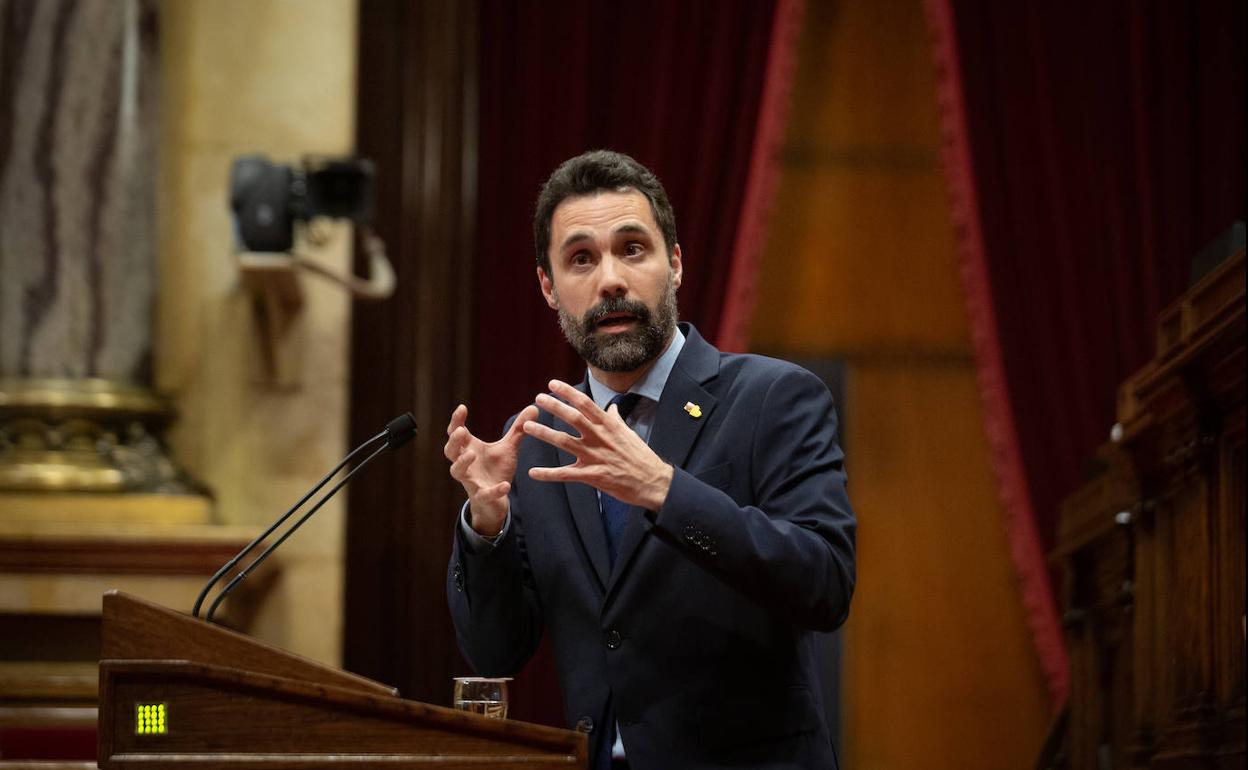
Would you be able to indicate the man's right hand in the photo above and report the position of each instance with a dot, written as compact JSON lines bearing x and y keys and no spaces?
{"x":485,"y":470}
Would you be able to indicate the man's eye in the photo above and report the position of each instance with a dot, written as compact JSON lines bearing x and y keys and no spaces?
{"x":579,"y":259}
{"x":634,"y":249}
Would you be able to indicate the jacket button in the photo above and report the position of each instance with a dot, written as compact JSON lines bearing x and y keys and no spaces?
{"x":584,"y":725}
{"x":614,"y":639}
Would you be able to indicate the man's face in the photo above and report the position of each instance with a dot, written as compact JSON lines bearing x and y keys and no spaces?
{"x":611,"y":279}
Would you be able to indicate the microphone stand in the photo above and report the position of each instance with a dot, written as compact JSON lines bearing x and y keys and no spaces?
{"x":290,"y":531}
{"x":397,"y":432}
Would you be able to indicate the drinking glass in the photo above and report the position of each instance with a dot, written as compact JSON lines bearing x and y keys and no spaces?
{"x":482,"y":695}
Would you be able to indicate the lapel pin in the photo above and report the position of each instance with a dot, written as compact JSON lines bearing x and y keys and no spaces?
{"x":693,"y":409}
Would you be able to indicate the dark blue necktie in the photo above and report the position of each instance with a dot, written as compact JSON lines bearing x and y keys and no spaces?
{"x":614,"y":517}
{"x":614,"y":512}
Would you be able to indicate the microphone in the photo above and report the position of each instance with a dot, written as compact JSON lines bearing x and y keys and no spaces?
{"x":400,"y":430}
{"x":397,"y":432}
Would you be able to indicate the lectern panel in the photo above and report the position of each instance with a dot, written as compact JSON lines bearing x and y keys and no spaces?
{"x":175,"y":691}
{"x":207,"y":713}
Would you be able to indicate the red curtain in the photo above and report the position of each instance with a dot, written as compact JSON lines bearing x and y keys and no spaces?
{"x":680,"y":87}
{"x":1091,"y":149}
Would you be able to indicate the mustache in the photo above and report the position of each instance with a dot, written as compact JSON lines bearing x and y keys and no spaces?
{"x":615,"y":305}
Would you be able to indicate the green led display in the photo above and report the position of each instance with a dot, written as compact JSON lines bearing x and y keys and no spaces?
{"x":149,"y":719}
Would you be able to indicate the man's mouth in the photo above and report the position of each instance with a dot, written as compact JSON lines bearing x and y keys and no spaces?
{"x":616,"y":322}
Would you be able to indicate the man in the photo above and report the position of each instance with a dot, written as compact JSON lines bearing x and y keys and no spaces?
{"x":679,"y":543}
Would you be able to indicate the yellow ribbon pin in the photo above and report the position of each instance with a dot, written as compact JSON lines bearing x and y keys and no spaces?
{"x":693,"y":409}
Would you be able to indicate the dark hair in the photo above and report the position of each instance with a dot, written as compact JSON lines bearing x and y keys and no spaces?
{"x":593,"y":172}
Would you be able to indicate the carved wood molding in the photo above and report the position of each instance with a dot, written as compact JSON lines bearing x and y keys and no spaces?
{"x":114,"y":556}
{"x":1195,"y":328}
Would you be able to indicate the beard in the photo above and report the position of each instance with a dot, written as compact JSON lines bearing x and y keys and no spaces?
{"x":628,"y":350}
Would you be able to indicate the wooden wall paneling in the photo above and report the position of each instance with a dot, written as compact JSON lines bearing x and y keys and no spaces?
{"x":417,"y":117}
{"x":939,"y":670}
{"x":1143,"y":737}
{"x":1230,"y":557}
{"x":1100,"y":643}
{"x":1100,"y":638}
{"x":1192,"y":591}
{"x":868,"y":261}
{"x":1176,"y":452}
{"x":1181,"y":601}
{"x":1095,"y":561}
{"x":861,"y":240}
{"x":863,"y":82}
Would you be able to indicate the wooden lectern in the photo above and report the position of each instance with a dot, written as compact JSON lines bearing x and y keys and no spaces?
{"x":177,"y":691}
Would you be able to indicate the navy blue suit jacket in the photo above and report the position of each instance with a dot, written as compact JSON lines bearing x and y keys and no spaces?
{"x":700,"y":638}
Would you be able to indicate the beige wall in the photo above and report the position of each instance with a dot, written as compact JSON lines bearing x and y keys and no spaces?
{"x":276,"y":77}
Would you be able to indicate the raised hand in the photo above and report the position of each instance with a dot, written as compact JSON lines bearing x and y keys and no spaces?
{"x":609,"y":456}
{"x":485,"y":470}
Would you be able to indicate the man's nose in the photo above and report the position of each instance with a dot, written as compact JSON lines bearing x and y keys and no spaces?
{"x":611,"y":280}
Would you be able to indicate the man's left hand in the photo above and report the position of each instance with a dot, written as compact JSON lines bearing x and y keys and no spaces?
{"x":609,"y":456}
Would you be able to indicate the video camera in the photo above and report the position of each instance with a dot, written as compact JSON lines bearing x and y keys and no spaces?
{"x":267,"y":198}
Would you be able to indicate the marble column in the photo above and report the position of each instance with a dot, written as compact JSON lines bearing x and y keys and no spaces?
{"x":78,"y":131}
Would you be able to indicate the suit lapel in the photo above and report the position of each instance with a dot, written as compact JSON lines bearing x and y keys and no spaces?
{"x":586,"y":513}
{"x":674,"y":433}
{"x":675,"y":428}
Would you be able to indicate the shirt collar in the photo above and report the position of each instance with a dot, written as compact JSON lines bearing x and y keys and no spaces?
{"x":651,"y":383}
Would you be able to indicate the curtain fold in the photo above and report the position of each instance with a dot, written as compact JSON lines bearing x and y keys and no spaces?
{"x":760,"y":190}
{"x":679,"y":86}
{"x":1091,"y":150}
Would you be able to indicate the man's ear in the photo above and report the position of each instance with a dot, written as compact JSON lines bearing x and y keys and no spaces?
{"x":677,"y":267}
{"x":548,"y":288}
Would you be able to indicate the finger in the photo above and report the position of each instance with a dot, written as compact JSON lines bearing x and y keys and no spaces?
{"x":491,"y":495}
{"x":459,"y":468}
{"x":494,"y":493}
{"x":456,"y":444}
{"x":459,"y":418}
{"x":578,"y":400}
{"x":528,"y":414}
{"x":556,"y":438}
{"x":559,"y":473}
{"x":563,"y":411}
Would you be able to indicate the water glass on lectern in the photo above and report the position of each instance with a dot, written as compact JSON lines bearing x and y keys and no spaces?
{"x":482,"y":695}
